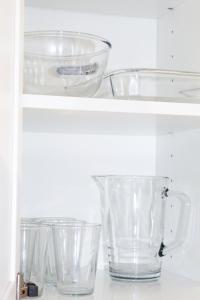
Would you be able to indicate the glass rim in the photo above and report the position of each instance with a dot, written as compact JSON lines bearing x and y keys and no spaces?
{"x":23,"y":220}
{"x":44,"y":220}
{"x":127,"y":176}
{"x":65,"y":33}
{"x":61,"y":221}
{"x":151,"y":71}
{"x":33,"y":225}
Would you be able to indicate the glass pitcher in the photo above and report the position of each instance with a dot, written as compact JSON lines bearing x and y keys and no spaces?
{"x":133,"y":219}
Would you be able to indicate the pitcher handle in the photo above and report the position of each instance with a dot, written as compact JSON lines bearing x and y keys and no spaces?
{"x":185,"y":209}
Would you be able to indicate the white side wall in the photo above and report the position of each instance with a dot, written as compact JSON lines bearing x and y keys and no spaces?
{"x":178,"y":154}
{"x":57,"y":170}
{"x":178,"y":37}
{"x":178,"y":158}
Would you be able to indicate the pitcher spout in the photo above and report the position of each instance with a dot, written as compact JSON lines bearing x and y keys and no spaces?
{"x":100,"y":181}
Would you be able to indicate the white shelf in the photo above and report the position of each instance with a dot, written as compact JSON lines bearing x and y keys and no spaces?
{"x":86,"y":115}
{"x":170,"y":286}
{"x":108,"y":105}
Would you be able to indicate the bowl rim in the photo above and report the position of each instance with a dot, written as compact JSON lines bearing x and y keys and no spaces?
{"x":64,"y":33}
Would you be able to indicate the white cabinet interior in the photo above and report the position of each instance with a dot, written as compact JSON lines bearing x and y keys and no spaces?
{"x":64,"y":143}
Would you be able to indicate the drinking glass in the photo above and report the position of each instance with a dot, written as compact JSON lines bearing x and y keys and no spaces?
{"x":51,"y":269}
{"x":76,"y":250}
{"x":27,"y":241}
{"x":40,"y":257}
{"x":134,"y":216}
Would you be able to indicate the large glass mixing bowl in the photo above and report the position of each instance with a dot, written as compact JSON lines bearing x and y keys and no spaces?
{"x":64,"y":63}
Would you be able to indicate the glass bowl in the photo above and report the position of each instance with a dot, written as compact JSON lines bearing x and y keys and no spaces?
{"x":64,"y":63}
{"x":151,"y":84}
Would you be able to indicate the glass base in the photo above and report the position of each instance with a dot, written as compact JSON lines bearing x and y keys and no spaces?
{"x":75,"y":291}
{"x":122,"y":275}
{"x":148,"y":277}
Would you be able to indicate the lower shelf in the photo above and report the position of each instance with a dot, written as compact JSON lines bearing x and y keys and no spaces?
{"x":169,"y":287}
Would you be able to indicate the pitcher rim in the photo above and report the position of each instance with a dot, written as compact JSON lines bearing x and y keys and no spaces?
{"x":131,"y":176}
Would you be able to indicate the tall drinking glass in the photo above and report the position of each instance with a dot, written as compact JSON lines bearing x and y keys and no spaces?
{"x":40,"y":257}
{"x":133,"y":217}
{"x":76,"y":251}
{"x":27,"y":240}
{"x":51,"y":269}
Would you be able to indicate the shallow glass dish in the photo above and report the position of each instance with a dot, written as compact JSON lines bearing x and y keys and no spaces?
{"x":151,"y":84}
{"x":64,"y":63}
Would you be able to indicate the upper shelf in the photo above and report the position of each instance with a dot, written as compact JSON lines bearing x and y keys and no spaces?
{"x":43,"y":102}
{"x":130,"y":8}
{"x":102,"y":116}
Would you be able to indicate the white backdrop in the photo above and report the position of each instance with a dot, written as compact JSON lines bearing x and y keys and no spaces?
{"x":134,"y":40}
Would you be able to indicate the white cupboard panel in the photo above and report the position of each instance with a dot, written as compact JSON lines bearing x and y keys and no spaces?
{"x":178,"y":158}
{"x":178,"y":153}
{"x":9,"y":127}
{"x":57,"y":170}
{"x":178,"y":37}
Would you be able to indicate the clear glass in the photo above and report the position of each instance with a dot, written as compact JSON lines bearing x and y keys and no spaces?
{"x":151,"y":84}
{"x":133,"y":217}
{"x":27,"y":246}
{"x":76,"y":252}
{"x":50,"y":277}
{"x":38,"y":271}
{"x":64,"y":63}
{"x":51,"y":268}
